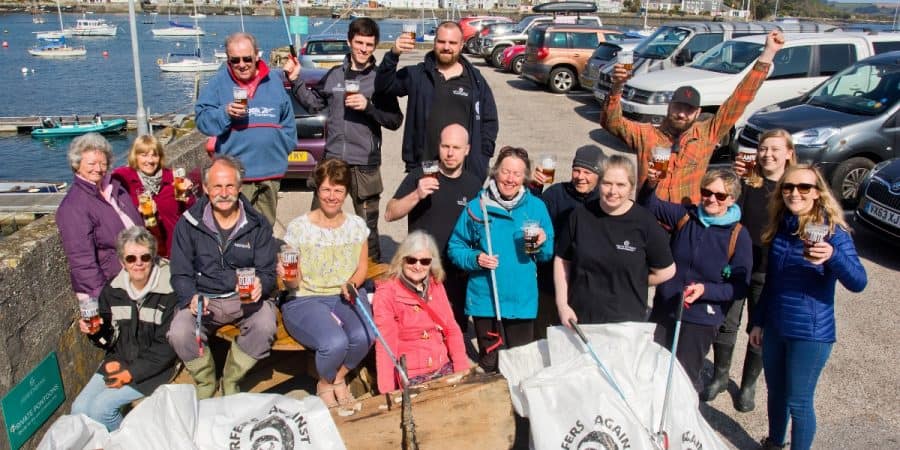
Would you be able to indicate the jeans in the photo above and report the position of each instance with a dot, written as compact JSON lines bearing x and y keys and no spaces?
{"x":102,"y":403}
{"x":792,"y":369}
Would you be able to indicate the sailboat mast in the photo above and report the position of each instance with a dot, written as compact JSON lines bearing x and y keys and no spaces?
{"x":59,"y":12}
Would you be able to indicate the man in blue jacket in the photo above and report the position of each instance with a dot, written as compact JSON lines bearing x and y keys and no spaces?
{"x":259,"y":130}
{"x":217,"y":236}
{"x":354,"y":120}
{"x":447,"y":84}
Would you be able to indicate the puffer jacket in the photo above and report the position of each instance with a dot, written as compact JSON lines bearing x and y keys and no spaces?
{"x":797,"y":301}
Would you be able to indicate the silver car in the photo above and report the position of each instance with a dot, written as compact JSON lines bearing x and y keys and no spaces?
{"x":604,"y":54}
{"x":324,"y":51}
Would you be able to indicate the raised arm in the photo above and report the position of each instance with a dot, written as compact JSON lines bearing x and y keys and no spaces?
{"x":666,"y":212}
{"x":390,"y":81}
{"x":385,"y":110}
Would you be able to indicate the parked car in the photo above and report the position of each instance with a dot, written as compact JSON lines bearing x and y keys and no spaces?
{"x":556,"y":54}
{"x":846,"y":125}
{"x":605,"y":53}
{"x":513,"y":58}
{"x":491,"y":46}
{"x":473,"y":46}
{"x":324,"y":51}
{"x":879,"y":200}
{"x":310,"y":147}
{"x":472,"y":25}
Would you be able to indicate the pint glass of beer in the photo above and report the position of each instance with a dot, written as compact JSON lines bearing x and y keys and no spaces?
{"x":747,"y":155}
{"x":430,"y":169}
{"x":245,"y":278}
{"x":180,"y":185}
{"x":659,"y":158}
{"x":240,"y":95}
{"x":290,"y":260}
{"x":627,"y":59}
{"x":90,"y":312}
{"x":530,"y":231}
{"x":548,"y":167}
{"x":813,"y":233}
{"x":351,"y":87}
{"x":146,"y":207}
{"x":409,"y":29}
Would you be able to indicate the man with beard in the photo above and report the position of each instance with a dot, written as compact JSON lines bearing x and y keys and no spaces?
{"x":259,"y":130}
{"x":354,"y":121}
{"x":218,"y":235}
{"x":692,"y":141}
{"x":443,"y":89}
{"x":433,"y":205}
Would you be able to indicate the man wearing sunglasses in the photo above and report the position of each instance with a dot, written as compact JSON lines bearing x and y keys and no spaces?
{"x":246,"y":109}
{"x":354,"y":120}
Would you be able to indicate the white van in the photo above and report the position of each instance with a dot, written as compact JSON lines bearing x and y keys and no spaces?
{"x":806,"y":60}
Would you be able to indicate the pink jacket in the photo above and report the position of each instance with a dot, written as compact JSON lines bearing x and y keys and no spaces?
{"x":409,"y":330}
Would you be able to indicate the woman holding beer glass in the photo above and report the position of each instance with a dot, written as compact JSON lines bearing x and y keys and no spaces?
{"x":91,"y":215}
{"x":160,"y":196}
{"x":760,"y":170}
{"x":138,"y":358}
{"x":519,"y":227}
{"x":810,"y":250}
{"x":414,"y":316}
{"x":713,"y":258}
{"x":319,"y":312}
{"x":609,"y":254}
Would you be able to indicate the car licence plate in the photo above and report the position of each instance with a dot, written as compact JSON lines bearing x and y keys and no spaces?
{"x":883,"y":214}
{"x":298,"y":156}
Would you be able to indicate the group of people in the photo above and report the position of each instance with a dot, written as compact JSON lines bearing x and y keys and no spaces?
{"x":484,"y":243}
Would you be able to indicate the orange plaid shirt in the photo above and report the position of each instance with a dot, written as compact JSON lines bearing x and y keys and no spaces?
{"x":696,"y":144}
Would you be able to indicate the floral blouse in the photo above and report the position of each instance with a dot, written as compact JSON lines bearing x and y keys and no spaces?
{"x":328,"y":256}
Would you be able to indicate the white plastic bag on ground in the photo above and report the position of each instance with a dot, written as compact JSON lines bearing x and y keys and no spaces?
{"x":75,"y":432}
{"x":571,"y":405}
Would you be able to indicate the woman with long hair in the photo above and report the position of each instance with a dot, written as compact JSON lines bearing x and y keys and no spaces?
{"x":774,"y":153}
{"x":810,"y":250}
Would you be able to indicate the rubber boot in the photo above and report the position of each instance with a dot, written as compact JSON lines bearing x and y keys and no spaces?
{"x":769,"y":444}
{"x":237,"y":364}
{"x":203,"y":369}
{"x":722,"y":363}
{"x":746,"y":399}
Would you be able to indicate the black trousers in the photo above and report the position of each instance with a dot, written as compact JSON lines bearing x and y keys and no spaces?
{"x":693,"y":345}
{"x":455,"y":282}
{"x":518,"y":332}
{"x":728,"y":331}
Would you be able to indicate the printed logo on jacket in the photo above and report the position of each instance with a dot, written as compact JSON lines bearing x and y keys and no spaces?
{"x":278,"y":429}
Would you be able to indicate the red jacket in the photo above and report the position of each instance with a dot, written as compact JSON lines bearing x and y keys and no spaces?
{"x":409,"y":330}
{"x":168,"y":210}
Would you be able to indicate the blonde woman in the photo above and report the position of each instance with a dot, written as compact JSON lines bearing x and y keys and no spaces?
{"x":794,"y":321}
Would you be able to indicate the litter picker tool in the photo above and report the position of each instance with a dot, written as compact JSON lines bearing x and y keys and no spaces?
{"x":365,"y":312}
{"x":662,"y":438}
{"x":199,"y":326}
{"x":287,"y":30}
{"x":501,"y":335}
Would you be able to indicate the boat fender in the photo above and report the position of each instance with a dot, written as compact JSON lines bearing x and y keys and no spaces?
{"x":159,"y":62}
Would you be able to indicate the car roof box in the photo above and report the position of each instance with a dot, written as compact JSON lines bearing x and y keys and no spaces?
{"x":565,"y":7}
{"x":755,"y":27}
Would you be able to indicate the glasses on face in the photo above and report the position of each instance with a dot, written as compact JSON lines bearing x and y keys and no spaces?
{"x":412,"y":261}
{"x":235,"y":60}
{"x":131,"y":259}
{"x":720,"y":196}
{"x":802,"y":188}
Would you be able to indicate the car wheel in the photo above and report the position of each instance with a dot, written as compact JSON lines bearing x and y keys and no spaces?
{"x":497,"y":57}
{"x":562,"y":79}
{"x":470,"y":46}
{"x":516,"y":65}
{"x":846,"y":178}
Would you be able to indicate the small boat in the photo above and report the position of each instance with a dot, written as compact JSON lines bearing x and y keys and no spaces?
{"x":190,"y":62}
{"x":56,"y":48}
{"x":356,"y":15}
{"x":93,"y":27}
{"x":59,"y":130}
{"x":176,"y":29}
{"x":31,"y":187}
{"x":54,"y":34}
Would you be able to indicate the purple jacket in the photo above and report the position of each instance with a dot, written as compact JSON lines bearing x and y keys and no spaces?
{"x":88,"y":226}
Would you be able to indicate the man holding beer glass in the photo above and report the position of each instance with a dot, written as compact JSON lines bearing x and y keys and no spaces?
{"x":691,"y":141}
{"x":356,"y":113}
{"x":445,"y":83}
{"x":434,"y":203}
{"x":218,"y":237}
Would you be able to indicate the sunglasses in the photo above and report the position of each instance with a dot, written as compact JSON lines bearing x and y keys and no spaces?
{"x":802,"y":188}
{"x":720,"y":196}
{"x":131,"y":259}
{"x":411,"y":261}
{"x":233,"y":60}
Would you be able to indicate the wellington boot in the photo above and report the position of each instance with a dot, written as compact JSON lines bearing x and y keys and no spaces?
{"x":203,"y":369}
{"x":237,"y":364}
{"x":746,"y":399}
{"x":769,"y":444}
{"x":722,"y":363}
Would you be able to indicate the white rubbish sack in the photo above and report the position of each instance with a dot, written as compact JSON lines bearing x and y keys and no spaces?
{"x":172,"y":418}
{"x":571,"y":404}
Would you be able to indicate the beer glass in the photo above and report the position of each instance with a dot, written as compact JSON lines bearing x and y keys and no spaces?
{"x":627,"y":59}
{"x":146,"y":208}
{"x":548,"y":167}
{"x":245,"y":278}
{"x":90,"y":311}
{"x":351,"y":87}
{"x":180,"y":185}
{"x":813,"y":233}
{"x":240,"y":95}
{"x":530,"y":231}
{"x":747,"y":155}
{"x":659,"y":158}
{"x":430,"y":169}
{"x":289,"y":259}
{"x":409,"y":29}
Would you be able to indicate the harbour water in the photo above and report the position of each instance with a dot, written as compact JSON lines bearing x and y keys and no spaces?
{"x":105,"y":84}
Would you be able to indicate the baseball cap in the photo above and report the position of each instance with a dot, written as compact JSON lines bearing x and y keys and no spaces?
{"x":686,"y":95}
{"x":589,"y":158}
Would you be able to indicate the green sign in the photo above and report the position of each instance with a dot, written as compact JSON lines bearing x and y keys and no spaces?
{"x":299,"y":25}
{"x":31,"y":402}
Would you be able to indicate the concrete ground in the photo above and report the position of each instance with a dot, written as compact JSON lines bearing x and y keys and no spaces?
{"x":857,"y":399}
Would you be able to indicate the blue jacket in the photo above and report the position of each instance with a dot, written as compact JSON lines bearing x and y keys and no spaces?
{"x":263,"y":140}
{"x":701,"y":256}
{"x":517,"y":272}
{"x":797,"y":301}
{"x":202,"y":263}
{"x":418,"y":83}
